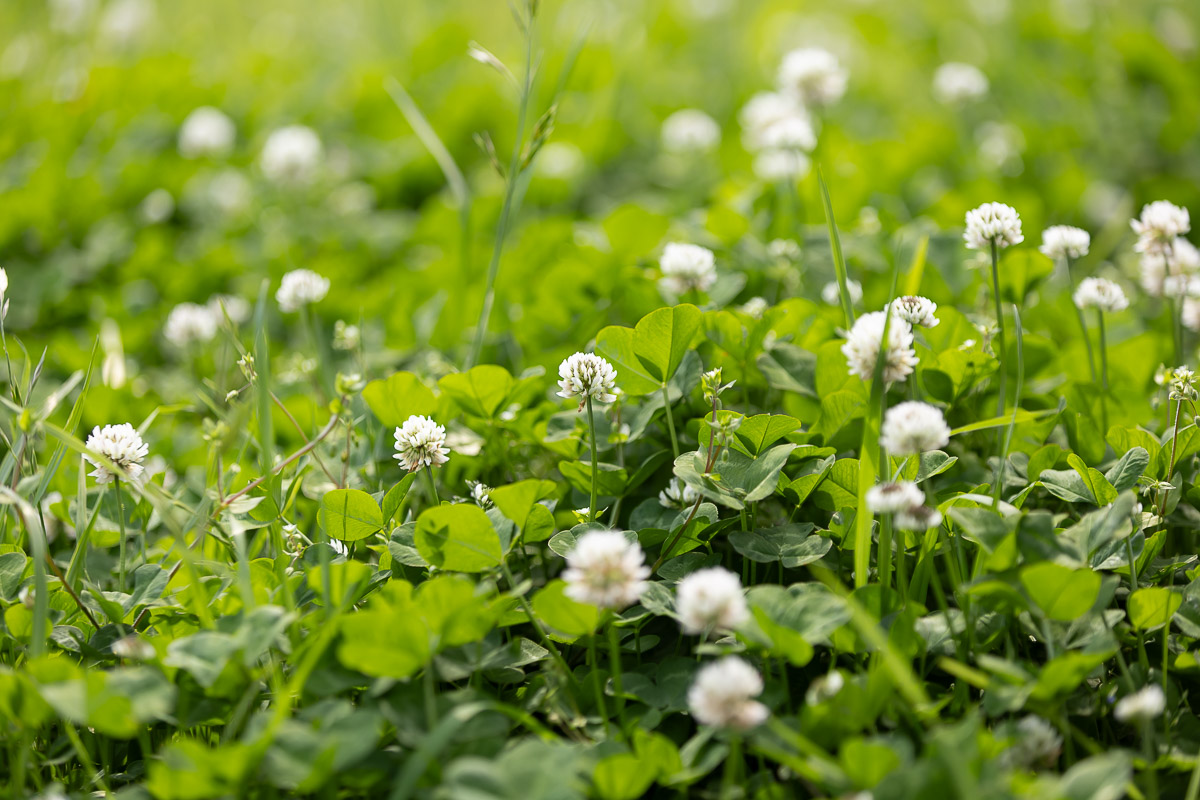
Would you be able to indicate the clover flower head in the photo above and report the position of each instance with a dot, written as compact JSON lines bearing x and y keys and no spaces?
{"x":1160,"y":224}
{"x":481,"y":494}
{"x":677,"y":495}
{"x":711,"y":386}
{"x":291,"y":155}
{"x":1142,"y":706}
{"x":688,"y":266}
{"x":421,"y":442}
{"x":207,"y":131}
{"x":864,"y":343}
{"x":1037,"y":743}
{"x":831,"y":294}
{"x":585,"y":375}
{"x":133,"y":647}
{"x":188,"y":323}
{"x":784,"y":249}
{"x":992,"y":223}
{"x":299,"y":288}
{"x":755,"y":307}
{"x":813,"y":76}
{"x":916,"y":310}
{"x":1101,"y":293}
{"x":1183,"y":384}
{"x":955,"y":82}
{"x":890,"y":498}
{"x":1065,"y":241}
{"x":222,"y":305}
{"x":710,"y":599}
{"x":1175,"y":265}
{"x":606,"y":570}
{"x":763,"y":111}
{"x":913,"y":427}
{"x":824,"y":687}
{"x":774,"y":165}
{"x":722,"y":695}
{"x":120,"y":444}
{"x":690,"y":130}
{"x":794,"y":132}
{"x":918,"y":518}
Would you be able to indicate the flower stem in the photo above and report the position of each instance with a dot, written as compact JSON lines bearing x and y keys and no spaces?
{"x":121,"y":522}
{"x":670,"y":421}
{"x":437,"y":501}
{"x":733,"y":763}
{"x":593,"y":511}
{"x":597,"y":685}
{"x":1103,"y":373}
{"x":1082,"y":322}
{"x":1002,"y":350}
{"x":614,"y":648}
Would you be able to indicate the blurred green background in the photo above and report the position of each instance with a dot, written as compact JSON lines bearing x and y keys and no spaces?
{"x":1093,"y":108}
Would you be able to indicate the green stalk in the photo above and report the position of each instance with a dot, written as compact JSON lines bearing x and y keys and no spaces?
{"x":1103,"y":372}
{"x":437,"y":501}
{"x":885,"y":558}
{"x":430,"y":685}
{"x":597,"y":686}
{"x":121,"y":521}
{"x":670,"y":421}
{"x":615,"y":654}
{"x":733,"y":763}
{"x":1082,"y":322}
{"x":835,"y":244}
{"x":593,"y":511}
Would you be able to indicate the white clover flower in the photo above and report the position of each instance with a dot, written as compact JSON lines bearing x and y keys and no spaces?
{"x":992,"y":223}
{"x":421,"y":442}
{"x":916,"y":310}
{"x":1157,"y":269}
{"x":228,"y":193}
{"x":345,"y":336}
{"x":763,"y":111}
{"x":1160,"y":224}
{"x":3,"y":282}
{"x":776,"y":165}
{"x":133,"y":647}
{"x":1190,"y":313}
{"x":299,"y":288}
{"x":956,"y":82}
{"x":755,"y":307}
{"x":831,"y":294}
{"x":188,"y":323}
{"x":236,"y":308}
{"x":690,"y":130}
{"x":722,"y":695}
{"x":1037,"y":743}
{"x":1142,"y":706}
{"x":813,"y":76}
{"x":125,"y":20}
{"x":606,"y":570}
{"x":710,"y":599}
{"x":120,"y":444}
{"x":1179,"y":286}
{"x":1065,"y":241}
{"x":157,"y":206}
{"x":918,"y":518}
{"x":677,"y":495}
{"x":291,"y":155}
{"x":688,"y":266}
{"x":70,"y":16}
{"x":824,"y":687}
{"x":1101,"y":293}
{"x":889,"y":498}
{"x":585,"y":375}
{"x":784,"y":249}
{"x":561,"y":161}
{"x":207,"y":131}
{"x":912,"y":427}
{"x":790,"y":133}
{"x":481,"y":494}
{"x":863,"y":345}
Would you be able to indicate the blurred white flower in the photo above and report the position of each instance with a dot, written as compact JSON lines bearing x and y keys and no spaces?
{"x":1191,"y":313}
{"x":120,"y":444}
{"x":112,"y":369}
{"x":207,"y":131}
{"x":1182,"y":263}
{"x":1000,"y":146}
{"x":1037,"y":743}
{"x":688,"y":266}
{"x":1142,"y":706}
{"x":421,"y":442}
{"x":585,"y":375}
{"x":299,"y":288}
{"x":1160,"y":224}
{"x":560,"y":160}
{"x":992,"y":222}
{"x":71,"y":16}
{"x":865,"y":340}
{"x":710,"y":599}
{"x":188,"y":323}
{"x":229,"y":192}
{"x":291,"y":155}
{"x":1101,"y":293}
{"x":606,"y":570}
{"x":125,"y":20}
{"x":763,"y":111}
{"x":912,"y":427}
{"x":956,"y":82}
{"x":133,"y":647}
{"x":889,"y":498}
{"x":236,"y":308}
{"x":3,"y":282}
{"x":790,"y":133}
{"x":784,"y":249}
{"x":723,"y":693}
{"x":157,"y":206}
{"x":755,"y":307}
{"x":830,"y":292}
{"x":824,"y":687}
{"x":481,"y":494}
{"x":677,"y":495}
{"x":1065,"y":241}
{"x":916,"y":310}
{"x":813,"y":76}
{"x":774,"y":166}
{"x":690,"y":130}
{"x":464,"y":441}
{"x":345,"y":336}
{"x":918,"y":518}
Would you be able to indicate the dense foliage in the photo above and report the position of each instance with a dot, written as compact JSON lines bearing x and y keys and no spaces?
{"x":430,"y":400}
